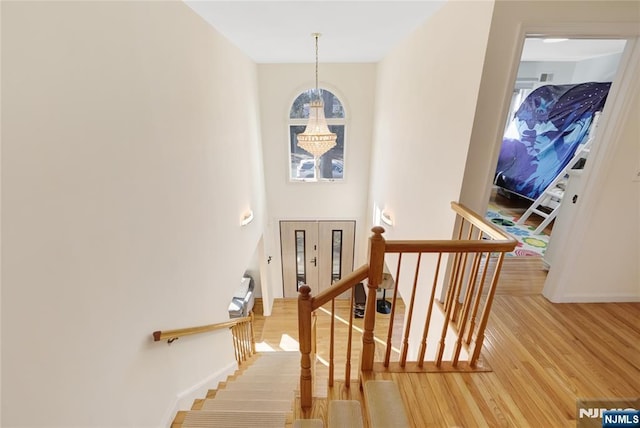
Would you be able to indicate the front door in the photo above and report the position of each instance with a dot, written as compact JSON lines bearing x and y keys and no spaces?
{"x":316,"y":253}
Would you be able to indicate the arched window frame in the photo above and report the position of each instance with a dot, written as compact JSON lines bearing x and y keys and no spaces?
{"x":301,"y":166}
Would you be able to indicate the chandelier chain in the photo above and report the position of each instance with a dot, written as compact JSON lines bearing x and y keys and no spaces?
{"x":317,"y":138}
{"x":317,"y":89}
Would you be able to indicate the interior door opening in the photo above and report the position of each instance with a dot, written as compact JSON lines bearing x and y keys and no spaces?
{"x":549,"y":128}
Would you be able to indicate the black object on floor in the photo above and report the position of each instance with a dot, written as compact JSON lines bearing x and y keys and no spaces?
{"x":359,"y":301}
{"x":382,"y":306}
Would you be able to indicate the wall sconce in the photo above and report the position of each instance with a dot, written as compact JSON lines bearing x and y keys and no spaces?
{"x":386,"y":218}
{"x":247,"y":218}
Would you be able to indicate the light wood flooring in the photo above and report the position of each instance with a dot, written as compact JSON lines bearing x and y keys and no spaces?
{"x":543,"y":357}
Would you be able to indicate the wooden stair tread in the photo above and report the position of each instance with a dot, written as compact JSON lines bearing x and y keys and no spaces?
{"x":384,"y":405}
{"x":345,"y":413}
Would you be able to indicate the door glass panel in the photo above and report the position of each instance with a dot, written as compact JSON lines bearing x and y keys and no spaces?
{"x":301,"y":275}
{"x":336,"y":256}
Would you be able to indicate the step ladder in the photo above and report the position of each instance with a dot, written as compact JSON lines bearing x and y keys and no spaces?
{"x":554,"y":193}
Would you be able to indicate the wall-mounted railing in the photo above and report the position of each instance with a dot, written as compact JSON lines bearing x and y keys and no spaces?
{"x":472,"y":262}
{"x":241,"y":330}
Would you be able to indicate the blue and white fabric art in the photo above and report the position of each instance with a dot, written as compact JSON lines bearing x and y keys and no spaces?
{"x":544,"y":134}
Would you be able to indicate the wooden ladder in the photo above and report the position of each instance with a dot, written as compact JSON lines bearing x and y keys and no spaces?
{"x":554,"y":193}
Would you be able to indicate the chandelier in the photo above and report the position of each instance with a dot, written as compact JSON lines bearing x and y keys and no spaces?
{"x":316,"y":138}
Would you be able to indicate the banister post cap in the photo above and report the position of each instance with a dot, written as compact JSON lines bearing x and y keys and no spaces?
{"x":304,"y":291}
{"x":377,"y":230}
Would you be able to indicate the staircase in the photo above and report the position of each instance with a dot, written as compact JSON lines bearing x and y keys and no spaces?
{"x":260,"y":395}
{"x":277,"y":389}
{"x":263,"y":395}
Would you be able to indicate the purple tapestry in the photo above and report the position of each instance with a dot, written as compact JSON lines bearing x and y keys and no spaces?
{"x":546,"y":130}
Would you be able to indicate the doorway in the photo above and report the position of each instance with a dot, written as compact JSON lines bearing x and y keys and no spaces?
{"x":536,"y":172}
{"x":315,"y":253}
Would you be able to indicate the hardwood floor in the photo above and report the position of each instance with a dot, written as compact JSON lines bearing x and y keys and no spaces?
{"x":544,"y":357}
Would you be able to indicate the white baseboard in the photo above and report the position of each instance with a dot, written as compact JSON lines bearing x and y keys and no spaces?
{"x":185,"y":399}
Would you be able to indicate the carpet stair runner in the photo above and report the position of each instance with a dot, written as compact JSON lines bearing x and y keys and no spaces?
{"x":384,"y":404}
{"x":345,"y":413}
{"x":262,"y":395}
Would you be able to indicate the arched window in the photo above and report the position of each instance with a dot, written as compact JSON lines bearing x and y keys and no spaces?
{"x":302,"y":165}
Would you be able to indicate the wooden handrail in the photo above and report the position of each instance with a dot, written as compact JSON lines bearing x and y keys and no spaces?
{"x":479,"y":222}
{"x":449,"y":246}
{"x":344,"y":284}
{"x":171,"y":335}
{"x":500,"y":241}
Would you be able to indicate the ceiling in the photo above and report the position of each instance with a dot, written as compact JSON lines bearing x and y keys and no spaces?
{"x":280,"y":31}
{"x":569,"y":50}
{"x":352,"y":31}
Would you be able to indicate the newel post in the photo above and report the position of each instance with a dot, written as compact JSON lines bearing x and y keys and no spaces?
{"x":304,"y":333}
{"x":376,"y":266}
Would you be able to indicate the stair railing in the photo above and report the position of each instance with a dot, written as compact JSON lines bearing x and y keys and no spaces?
{"x":474,"y":259}
{"x":474,"y":255}
{"x":306,"y":307}
{"x":242,"y":332}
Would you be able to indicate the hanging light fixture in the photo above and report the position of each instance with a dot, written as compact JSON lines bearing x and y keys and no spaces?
{"x":316,"y":138}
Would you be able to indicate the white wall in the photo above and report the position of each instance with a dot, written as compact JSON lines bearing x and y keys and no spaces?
{"x":600,"y":69}
{"x":130,"y":149}
{"x":279,"y":85}
{"x":562,"y":71}
{"x":510,"y":22}
{"x":426,"y":96}
{"x":253,"y":270}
